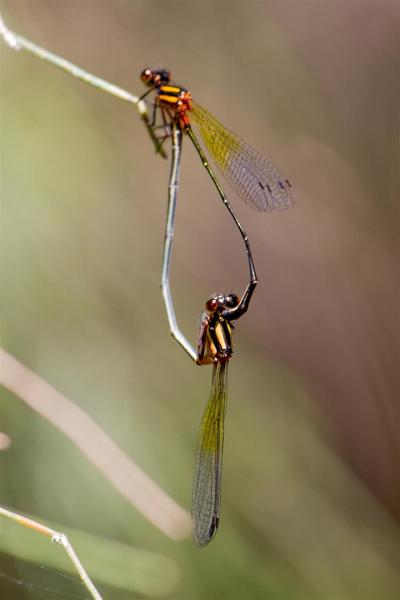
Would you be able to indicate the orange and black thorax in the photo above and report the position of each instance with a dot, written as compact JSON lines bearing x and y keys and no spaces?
{"x":176,"y":100}
{"x":219,"y":338}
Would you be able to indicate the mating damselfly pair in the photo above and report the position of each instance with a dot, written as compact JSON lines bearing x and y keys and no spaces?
{"x":263,"y":187}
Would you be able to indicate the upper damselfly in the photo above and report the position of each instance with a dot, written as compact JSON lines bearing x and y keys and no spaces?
{"x":258,"y":183}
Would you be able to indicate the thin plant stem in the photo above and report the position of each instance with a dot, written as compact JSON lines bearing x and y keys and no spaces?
{"x":18,"y":42}
{"x":59,"y":538}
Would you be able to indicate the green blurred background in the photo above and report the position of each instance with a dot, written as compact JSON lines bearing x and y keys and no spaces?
{"x":311,"y":467}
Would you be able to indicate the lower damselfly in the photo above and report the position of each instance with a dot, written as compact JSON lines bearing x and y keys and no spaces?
{"x":214,"y":347}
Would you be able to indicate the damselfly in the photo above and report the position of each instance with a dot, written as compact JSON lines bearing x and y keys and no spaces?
{"x":174,"y":103}
{"x":214,"y":347}
{"x":261,"y":185}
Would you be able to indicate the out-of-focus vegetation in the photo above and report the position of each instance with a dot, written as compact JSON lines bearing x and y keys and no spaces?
{"x":310,"y":484}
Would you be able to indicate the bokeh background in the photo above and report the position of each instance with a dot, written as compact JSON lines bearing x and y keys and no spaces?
{"x":311,"y":498}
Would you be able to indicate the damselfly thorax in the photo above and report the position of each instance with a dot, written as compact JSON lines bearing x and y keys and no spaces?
{"x":176,"y":100}
{"x":215,"y":334}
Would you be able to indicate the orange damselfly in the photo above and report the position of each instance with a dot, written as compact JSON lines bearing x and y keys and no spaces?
{"x":254,"y":178}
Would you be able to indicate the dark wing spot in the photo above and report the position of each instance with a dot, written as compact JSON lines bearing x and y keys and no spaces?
{"x":214,"y":526}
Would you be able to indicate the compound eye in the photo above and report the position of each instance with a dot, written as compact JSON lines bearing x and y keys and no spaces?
{"x":146,"y":75}
{"x":212,"y":305}
{"x":231,"y":300}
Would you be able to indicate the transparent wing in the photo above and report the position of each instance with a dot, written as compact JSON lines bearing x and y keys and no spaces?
{"x":206,"y":499}
{"x":261,"y":185}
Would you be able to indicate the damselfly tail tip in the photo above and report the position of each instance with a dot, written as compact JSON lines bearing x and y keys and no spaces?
{"x":202,"y":538}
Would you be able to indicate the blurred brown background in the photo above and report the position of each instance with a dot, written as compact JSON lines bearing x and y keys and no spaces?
{"x":311,"y":496}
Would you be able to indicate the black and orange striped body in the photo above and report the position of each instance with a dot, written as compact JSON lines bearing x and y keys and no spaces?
{"x":219,"y":339}
{"x":176,"y":99}
{"x":215,"y":340}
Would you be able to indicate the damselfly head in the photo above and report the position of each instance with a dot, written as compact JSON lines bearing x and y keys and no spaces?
{"x":219,"y":302}
{"x":155,"y":77}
